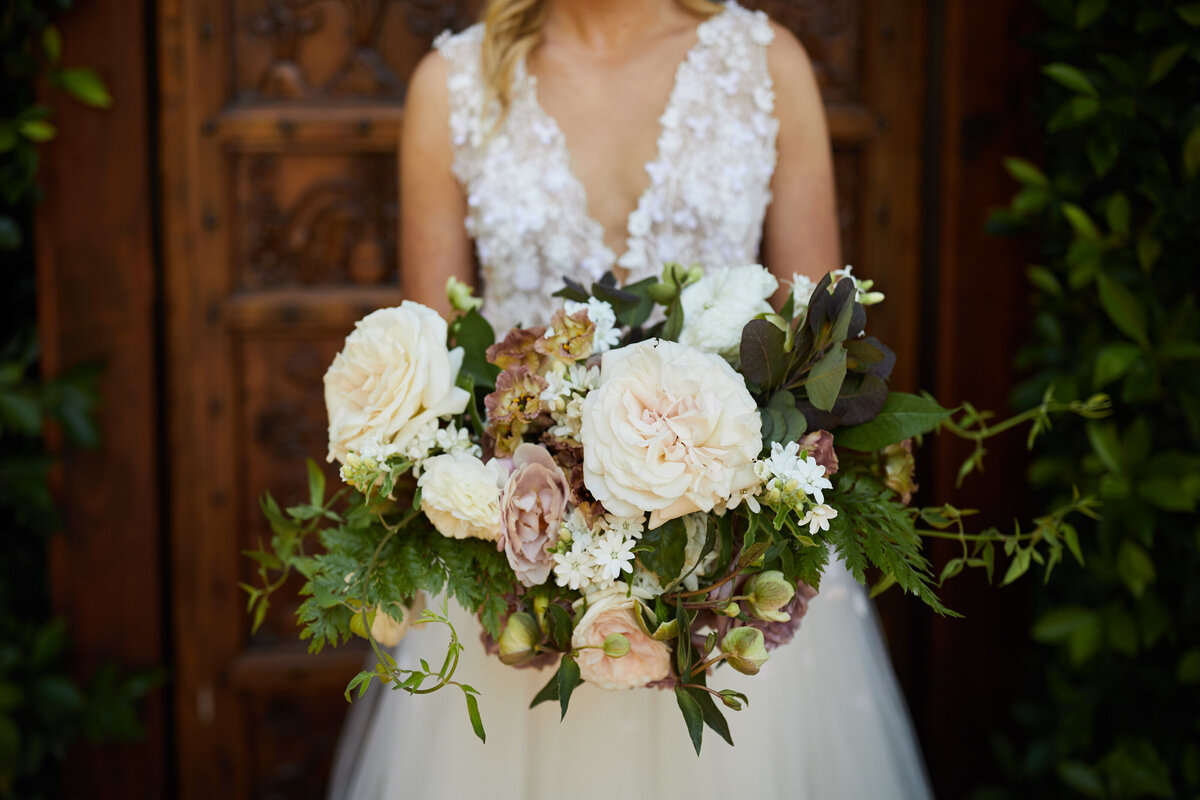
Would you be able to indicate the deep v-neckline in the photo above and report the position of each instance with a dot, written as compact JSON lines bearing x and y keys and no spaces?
{"x":596,"y":228}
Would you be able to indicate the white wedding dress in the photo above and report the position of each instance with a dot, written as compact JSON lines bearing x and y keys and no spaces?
{"x":826,"y":720}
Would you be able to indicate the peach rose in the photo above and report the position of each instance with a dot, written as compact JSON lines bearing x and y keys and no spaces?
{"x":531,"y":509}
{"x":611,"y":611}
{"x":670,"y":430}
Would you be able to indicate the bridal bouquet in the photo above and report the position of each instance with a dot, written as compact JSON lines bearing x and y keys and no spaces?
{"x":641,"y":491}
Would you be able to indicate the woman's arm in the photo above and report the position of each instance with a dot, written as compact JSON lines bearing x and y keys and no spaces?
{"x":433,"y":242}
{"x":800,"y":233}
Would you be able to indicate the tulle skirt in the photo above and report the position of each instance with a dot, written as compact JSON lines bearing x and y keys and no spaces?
{"x":826,"y":721}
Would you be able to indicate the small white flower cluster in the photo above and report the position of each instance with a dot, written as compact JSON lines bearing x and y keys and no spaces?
{"x":790,"y":477}
{"x":607,"y":335}
{"x":594,"y":558}
{"x":563,"y":398}
{"x":430,"y":440}
{"x":803,"y":287}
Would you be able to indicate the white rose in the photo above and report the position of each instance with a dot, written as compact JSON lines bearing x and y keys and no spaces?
{"x":718,"y":306}
{"x":393,"y":376}
{"x":670,"y":430}
{"x":461,"y":495}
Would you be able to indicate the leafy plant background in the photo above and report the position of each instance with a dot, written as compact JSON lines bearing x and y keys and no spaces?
{"x":1115,"y":698}
{"x":43,"y":709}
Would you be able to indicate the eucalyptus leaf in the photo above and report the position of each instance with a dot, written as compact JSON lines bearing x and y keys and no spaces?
{"x":825,"y":379}
{"x":761,"y":352}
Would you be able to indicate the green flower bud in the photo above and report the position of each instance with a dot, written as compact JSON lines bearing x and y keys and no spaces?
{"x":768,"y":592}
{"x":745,"y":650}
{"x":460,"y":295}
{"x":616,"y":645}
{"x":520,"y":637}
{"x":662,"y":293}
{"x":694,"y":274}
{"x":732,"y":610}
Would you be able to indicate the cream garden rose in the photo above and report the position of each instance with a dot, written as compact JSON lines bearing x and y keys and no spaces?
{"x":393,"y":376}
{"x":669,"y":431}
{"x":612,"y":611}
{"x":461,"y":495}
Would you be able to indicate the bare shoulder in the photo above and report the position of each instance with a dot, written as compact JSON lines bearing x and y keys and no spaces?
{"x":788,"y":61}
{"x":427,"y":86}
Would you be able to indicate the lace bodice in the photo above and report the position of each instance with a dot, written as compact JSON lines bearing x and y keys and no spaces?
{"x":708,"y":189}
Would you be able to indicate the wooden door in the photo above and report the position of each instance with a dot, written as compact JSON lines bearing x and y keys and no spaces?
{"x":278,"y":136}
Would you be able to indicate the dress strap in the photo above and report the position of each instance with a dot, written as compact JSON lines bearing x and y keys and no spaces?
{"x":465,"y":92}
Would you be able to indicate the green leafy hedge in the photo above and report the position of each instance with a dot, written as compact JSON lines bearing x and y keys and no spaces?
{"x":43,"y":708}
{"x":1116,"y":209}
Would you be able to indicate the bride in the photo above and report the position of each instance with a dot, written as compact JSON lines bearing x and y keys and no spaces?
{"x":576,"y":137}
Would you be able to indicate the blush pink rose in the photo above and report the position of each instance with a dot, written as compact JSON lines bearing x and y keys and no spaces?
{"x":609,"y":612}
{"x":532,"y":506}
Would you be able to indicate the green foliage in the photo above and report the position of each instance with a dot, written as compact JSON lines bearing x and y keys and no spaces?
{"x":1115,"y":208}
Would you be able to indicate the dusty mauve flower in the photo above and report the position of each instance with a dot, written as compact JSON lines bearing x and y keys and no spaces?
{"x":517,"y":349}
{"x":461,"y":496}
{"x":819,"y":445}
{"x":531,"y":509}
{"x":569,"y":336}
{"x":393,"y":376}
{"x":899,"y":468}
{"x":670,"y":430}
{"x":609,"y":612}
{"x":512,"y":407}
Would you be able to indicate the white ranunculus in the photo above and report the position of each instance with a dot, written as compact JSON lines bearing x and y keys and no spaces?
{"x":670,"y":430}
{"x":461,"y":495}
{"x":718,"y":306}
{"x":393,"y":376}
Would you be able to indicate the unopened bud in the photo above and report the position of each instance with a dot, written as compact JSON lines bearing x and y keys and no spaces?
{"x":388,"y":627}
{"x":460,"y":295}
{"x":662,"y":293}
{"x":768,"y":592}
{"x":616,"y":645}
{"x":732,"y":610}
{"x":745,"y":650}
{"x":520,"y":637}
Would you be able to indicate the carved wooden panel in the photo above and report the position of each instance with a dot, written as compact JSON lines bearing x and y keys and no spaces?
{"x":315,"y":219}
{"x":832,"y":33}
{"x":320,"y":50}
{"x":280,"y":125}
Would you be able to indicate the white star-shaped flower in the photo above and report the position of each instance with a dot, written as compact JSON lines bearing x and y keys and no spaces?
{"x":575,"y":568}
{"x":613,"y":553}
{"x":818,"y":517}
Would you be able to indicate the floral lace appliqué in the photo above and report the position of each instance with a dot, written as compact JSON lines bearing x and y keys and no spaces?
{"x":708,"y":189}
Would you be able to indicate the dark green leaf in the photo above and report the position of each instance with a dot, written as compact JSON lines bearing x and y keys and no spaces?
{"x":1025,"y":172}
{"x":713,"y":717}
{"x":1088,"y":11}
{"x":474,"y":334}
{"x":902,"y":417}
{"x":1165,"y":61}
{"x":1070,"y":77}
{"x":693,"y":716}
{"x":560,"y":626}
{"x":548,"y":692}
{"x":568,"y":679}
{"x":1123,"y":309}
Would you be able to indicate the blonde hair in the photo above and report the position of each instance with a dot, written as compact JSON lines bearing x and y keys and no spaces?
{"x":512,"y":28}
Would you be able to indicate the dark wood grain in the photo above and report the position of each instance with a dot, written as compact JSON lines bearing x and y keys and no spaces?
{"x":96,"y":304}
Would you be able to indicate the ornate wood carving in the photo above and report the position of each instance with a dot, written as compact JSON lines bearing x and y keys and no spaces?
{"x":337,"y":227}
{"x":303,"y":34}
{"x":831,"y":31}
